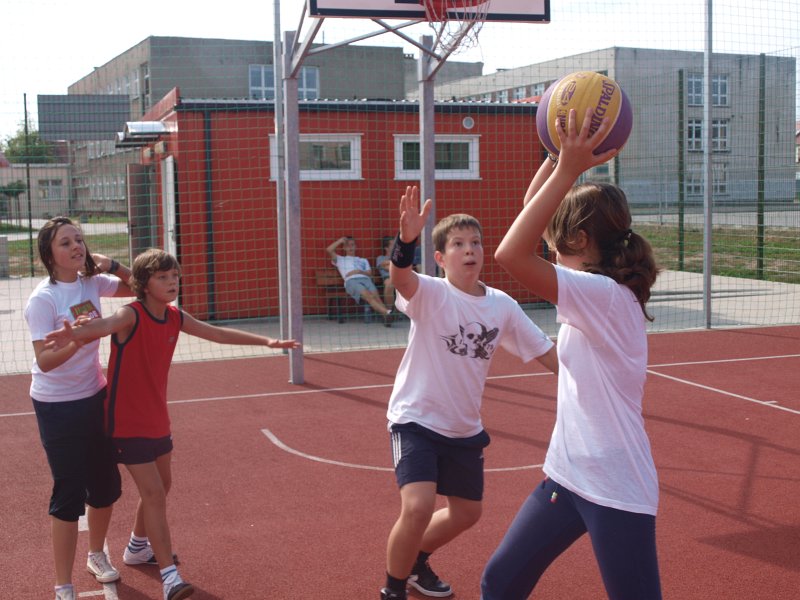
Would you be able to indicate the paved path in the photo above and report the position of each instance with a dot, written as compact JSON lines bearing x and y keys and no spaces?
{"x":677,"y":303}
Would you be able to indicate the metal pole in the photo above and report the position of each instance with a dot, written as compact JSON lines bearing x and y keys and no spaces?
{"x":293,"y":259}
{"x":681,"y":171}
{"x":707,"y":168}
{"x":762,"y":133}
{"x":427,"y":148}
{"x":280,"y":189}
{"x":28,"y":184}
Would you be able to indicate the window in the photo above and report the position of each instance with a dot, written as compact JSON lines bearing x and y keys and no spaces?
{"x":51,"y":190}
{"x":308,"y":83}
{"x":719,"y":135}
{"x":333,"y":156}
{"x":502,"y":96}
{"x":719,"y":180}
{"x":694,"y":135}
{"x":538,"y":89}
{"x":486,"y":97}
{"x":145,"y":69}
{"x":719,"y":90}
{"x":694,"y":90}
{"x":519,"y":93}
{"x":135,"y":87}
{"x":719,"y":175}
{"x":456,"y":157}
{"x":694,"y":183}
{"x":262,"y":82}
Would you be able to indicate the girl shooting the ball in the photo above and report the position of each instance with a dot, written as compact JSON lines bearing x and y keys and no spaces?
{"x":599,"y":472}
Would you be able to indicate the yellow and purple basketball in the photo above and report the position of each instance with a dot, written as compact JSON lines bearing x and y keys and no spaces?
{"x":580,"y":91}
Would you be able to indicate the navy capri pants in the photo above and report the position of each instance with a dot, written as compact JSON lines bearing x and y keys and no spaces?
{"x":79,"y":453}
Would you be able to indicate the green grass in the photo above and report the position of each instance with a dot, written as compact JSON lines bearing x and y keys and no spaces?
{"x":735,"y":252}
{"x":8,"y":228}
{"x":113,"y":245}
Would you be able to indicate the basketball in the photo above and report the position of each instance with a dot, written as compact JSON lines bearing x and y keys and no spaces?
{"x":580,"y":91}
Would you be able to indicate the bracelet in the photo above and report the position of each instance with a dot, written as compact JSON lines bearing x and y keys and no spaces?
{"x":553,"y":157}
{"x":113,"y":267}
{"x":403,"y":253}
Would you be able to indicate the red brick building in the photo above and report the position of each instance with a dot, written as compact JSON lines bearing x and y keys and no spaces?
{"x":356,"y":159}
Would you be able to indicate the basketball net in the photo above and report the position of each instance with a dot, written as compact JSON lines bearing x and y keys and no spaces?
{"x":456,"y":22}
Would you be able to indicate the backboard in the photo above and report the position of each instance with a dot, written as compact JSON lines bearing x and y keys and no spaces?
{"x":499,"y":10}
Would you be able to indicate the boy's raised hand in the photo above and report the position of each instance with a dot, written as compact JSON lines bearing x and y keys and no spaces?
{"x":412,"y":219}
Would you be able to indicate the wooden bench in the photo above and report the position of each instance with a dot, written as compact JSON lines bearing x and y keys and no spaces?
{"x":340,"y":305}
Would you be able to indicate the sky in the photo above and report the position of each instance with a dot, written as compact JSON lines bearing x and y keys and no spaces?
{"x":49,"y":44}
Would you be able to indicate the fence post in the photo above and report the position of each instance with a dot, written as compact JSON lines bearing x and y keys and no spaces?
{"x":4,"y":268}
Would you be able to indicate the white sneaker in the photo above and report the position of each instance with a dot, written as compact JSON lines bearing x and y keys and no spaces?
{"x":98,"y":565}
{"x":144,"y":556}
{"x":65,"y":593}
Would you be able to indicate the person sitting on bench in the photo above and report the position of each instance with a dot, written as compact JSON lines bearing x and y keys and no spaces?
{"x":357,"y":276}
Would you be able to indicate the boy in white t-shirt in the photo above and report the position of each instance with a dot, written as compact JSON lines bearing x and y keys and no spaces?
{"x":357,"y":275}
{"x":457,"y":323}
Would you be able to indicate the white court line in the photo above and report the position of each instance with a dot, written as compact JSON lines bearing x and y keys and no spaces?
{"x":767,"y":403}
{"x":388,"y":385}
{"x":722,"y":360}
{"x":275,"y":440}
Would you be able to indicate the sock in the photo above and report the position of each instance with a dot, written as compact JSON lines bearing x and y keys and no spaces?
{"x":394,"y":584}
{"x":67,"y":587}
{"x":170,"y":577}
{"x":422,"y":558}
{"x":137,"y":544}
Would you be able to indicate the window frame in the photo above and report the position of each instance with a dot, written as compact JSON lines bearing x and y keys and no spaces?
{"x":305,"y":91}
{"x":354,"y":173}
{"x":472,"y":172}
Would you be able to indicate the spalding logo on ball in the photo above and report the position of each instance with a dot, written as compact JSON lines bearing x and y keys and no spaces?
{"x":580,"y":91}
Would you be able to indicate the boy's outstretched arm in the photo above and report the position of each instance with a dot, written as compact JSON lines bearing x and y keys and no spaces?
{"x":412,"y":221}
{"x":227,"y":335}
{"x":82,"y":331}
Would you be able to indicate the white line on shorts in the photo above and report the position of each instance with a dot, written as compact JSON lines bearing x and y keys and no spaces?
{"x":275,"y":440}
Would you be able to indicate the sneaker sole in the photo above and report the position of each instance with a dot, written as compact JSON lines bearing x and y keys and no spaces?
{"x":186,"y":591}
{"x":426,"y":592}
{"x":151,"y":562}
{"x":107,"y":579}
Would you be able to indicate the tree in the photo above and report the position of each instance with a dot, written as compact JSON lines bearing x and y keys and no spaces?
{"x":36,"y":151}
{"x":9,"y":195}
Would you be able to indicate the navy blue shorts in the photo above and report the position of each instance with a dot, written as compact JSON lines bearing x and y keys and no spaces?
{"x":624,"y":545}
{"x":79,"y":453}
{"x":138,"y":451}
{"x":455,"y":464}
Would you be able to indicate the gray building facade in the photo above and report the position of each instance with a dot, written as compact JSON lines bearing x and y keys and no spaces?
{"x":667,"y":142}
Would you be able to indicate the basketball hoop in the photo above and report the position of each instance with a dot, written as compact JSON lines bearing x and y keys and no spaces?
{"x":456,"y":22}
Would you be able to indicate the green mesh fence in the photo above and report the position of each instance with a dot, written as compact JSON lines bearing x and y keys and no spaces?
{"x":172,"y":142}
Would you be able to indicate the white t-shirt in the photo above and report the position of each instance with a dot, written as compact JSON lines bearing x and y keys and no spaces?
{"x":48,"y":306}
{"x":345,"y":264}
{"x":452,"y":340}
{"x":599,"y":448}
